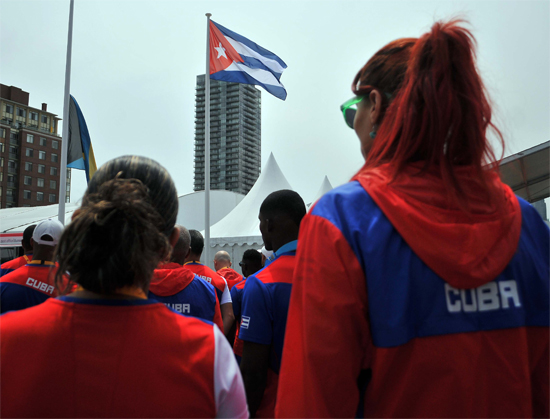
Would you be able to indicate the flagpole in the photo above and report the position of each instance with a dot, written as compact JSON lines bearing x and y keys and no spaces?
{"x":65,"y":136}
{"x":207,"y":146}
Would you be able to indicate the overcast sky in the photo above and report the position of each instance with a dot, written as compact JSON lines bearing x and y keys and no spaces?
{"x":134,"y":68}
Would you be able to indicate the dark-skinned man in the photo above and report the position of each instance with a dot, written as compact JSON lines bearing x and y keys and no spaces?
{"x":265,"y":301}
{"x":33,"y":283}
{"x":12,"y":265}
{"x":192,"y":262}
{"x":250,"y":264}
{"x":180,"y":289}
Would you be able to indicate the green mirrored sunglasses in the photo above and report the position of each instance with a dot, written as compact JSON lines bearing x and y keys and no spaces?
{"x":349,"y":109}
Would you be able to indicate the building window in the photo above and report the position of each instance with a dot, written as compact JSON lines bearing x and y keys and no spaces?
{"x":2,"y":132}
{"x":43,"y":142}
{"x":30,"y":138}
{"x":27,"y":180}
{"x":1,"y":147}
{"x":54,"y":158}
{"x":53,"y":171}
{"x":40,"y":182}
{"x":1,"y":161}
{"x":34,"y":116}
{"x":55,"y":144}
{"x":21,"y":112}
{"x":53,"y":184}
{"x":52,"y":198}
{"x":41,"y":168}
{"x":28,"y":166}
{"x":29,"y":152}
{"x":44,"y":119}
{"x":39,"y":196}
{"x":27,"y":194}
{"x":42,"y":155}
{"x":9,"y":108}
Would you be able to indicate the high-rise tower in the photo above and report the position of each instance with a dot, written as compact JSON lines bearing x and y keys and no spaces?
{"x":235,"y":135}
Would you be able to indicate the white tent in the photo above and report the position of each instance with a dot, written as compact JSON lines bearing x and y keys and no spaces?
{"x":13,"y":221}
{"x":325,"y":187}
{"x":239,"y":230}
{"x":191,"y":207}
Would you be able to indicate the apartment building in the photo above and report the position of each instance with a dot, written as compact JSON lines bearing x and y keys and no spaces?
{"x":30,"y":152}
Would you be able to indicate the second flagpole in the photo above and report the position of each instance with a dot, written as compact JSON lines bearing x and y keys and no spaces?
{"x":207,"y":146}
{"x":65,"y":133}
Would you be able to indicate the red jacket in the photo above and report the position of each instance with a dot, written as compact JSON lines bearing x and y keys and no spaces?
{"x":231,"y":276}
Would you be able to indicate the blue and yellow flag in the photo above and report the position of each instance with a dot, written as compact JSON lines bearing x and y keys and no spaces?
{"x":80,"y":154}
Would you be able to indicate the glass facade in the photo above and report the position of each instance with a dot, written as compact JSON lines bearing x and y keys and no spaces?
{"x":235,"y":136}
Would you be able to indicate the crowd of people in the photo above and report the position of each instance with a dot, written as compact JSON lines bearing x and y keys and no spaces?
{"x":418,"y":289}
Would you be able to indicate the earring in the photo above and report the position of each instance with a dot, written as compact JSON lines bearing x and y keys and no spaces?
{"x":372,"y":134}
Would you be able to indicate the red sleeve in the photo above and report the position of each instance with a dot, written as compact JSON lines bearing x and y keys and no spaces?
{"x":327,"y":333}
{"x":218,"y":314}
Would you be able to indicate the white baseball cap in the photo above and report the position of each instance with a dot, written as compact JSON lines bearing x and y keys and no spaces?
{"x":266,"y":253}
{"x":52,"y":228}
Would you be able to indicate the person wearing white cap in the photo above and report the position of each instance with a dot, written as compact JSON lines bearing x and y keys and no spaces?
{"x":33,"y":283}
{"x":267,"y":256}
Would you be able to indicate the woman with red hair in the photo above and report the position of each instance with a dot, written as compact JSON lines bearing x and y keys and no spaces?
{"x":422,"y":285}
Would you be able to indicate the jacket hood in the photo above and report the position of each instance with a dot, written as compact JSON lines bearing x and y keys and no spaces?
{"x":231,"y":276}
{"x":169,"y":279}
{"x":466,"y":250}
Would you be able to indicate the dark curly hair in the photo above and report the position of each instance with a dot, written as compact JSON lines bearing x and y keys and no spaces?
{"x":121,"y":231}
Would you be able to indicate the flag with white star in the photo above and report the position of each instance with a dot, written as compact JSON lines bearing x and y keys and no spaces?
{"x":234,"y":58}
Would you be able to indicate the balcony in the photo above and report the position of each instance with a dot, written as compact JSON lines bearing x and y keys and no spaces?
{"x":19,"y":125}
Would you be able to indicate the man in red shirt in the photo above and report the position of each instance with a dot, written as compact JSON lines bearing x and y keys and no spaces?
{"x":250,"y":264}
{"x":222,"y":265}
{"x":33,"y":283}
{"x":192,"y":262}
{"x":12,"y":265}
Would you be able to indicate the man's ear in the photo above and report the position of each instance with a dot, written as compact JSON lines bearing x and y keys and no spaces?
{"x":174,"y":236}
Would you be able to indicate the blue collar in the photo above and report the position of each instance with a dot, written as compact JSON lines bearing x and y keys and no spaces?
{"x":286,"y":248}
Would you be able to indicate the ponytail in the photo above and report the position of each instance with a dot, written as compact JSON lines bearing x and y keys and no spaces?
{"x":120,"y":233}
{"x":440,"y":113}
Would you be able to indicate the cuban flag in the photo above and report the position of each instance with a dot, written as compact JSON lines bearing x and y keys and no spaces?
{"x":236,"y":59}
{"x":80,"y":154}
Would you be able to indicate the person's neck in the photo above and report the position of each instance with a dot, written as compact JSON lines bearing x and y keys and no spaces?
{"x":44,"y":256}
{"x":124,"y":293}
{"x":193,"y":258}
{"x":278,"y":243}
